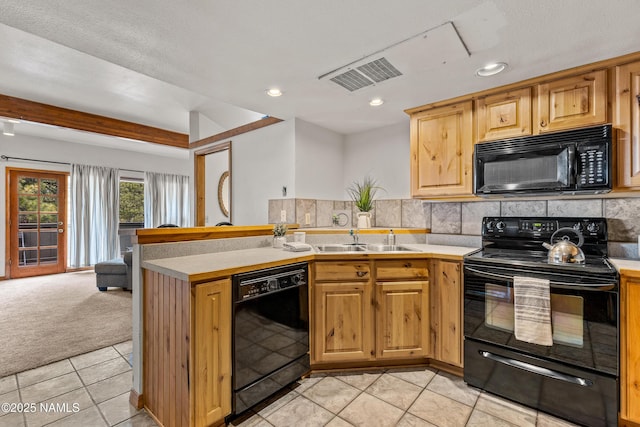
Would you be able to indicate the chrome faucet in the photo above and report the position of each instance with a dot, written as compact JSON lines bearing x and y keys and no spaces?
{"x":354,"y":236}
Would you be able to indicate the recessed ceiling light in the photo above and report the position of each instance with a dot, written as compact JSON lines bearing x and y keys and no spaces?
{"x":491,"y":69}
{"x":274,"y":92}
{"x":376,"y":102}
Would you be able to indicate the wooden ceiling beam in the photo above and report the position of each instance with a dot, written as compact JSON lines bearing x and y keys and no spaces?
{"x":22,"y":109}
{"x":235,"y":131}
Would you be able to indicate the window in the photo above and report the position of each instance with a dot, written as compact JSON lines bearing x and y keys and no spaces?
{"x":131,"y":204}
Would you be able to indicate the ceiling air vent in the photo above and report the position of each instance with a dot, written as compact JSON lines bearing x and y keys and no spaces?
{"x":367,"y":74}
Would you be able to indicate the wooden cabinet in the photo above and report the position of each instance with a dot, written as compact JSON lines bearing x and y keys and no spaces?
{"x":442,"y":151}
{"x":352,"y":322}
{"x":627,"y":122}
{"x":212,"y":352}
{"x":342,"y":314}
{"x":446,"y":312}
{"x":572,"y":102}
{"x":402,"y":309}
{"x":630,"y":346}
{"x":504,"y":115}
{"x":186,"y":350}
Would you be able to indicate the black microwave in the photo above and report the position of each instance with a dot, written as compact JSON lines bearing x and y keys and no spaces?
{"x":567,"y":162}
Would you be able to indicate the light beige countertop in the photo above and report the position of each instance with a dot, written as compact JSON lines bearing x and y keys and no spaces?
{"x":196,"y":268}
{"x":625,"y":264}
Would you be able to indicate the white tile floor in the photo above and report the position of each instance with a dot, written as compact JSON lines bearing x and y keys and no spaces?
{"x":395,"y":397}
{"x":88,"y":390}
{"x":93,"y":390}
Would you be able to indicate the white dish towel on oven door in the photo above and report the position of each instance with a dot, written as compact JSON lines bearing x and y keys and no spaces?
{"x":532,"y":310}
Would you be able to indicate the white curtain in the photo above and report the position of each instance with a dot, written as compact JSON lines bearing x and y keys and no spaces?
{"x":166,"y":200}
{"x":94,"y":215}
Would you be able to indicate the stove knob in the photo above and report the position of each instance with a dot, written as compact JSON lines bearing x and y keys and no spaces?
{"x":489,"y":225}
{"x":592,"y":227}
{"x":297,"y":279}
{"x":577,"y":226}
{"x":272,"y":284}
{"x":500,"y":225}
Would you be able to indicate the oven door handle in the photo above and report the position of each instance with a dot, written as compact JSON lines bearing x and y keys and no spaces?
{"x":537,"y":369}
{"x":553,"y":284}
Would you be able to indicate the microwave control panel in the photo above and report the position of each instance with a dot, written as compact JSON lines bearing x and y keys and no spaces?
{"x":593,"y":165}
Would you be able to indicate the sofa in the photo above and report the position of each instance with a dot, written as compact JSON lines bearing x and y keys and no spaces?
{"x":115,"y":273}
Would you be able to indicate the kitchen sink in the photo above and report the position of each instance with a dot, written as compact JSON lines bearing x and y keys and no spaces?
{"x":361,"y":247}
{"x":340,"y":247}
{"x":379,"y":247}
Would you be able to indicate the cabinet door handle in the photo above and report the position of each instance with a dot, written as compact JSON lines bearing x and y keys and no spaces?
{"x":543,"y":123}
{"x":361,"y":273}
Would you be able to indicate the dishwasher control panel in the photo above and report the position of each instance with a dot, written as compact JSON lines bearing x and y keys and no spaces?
{"x":261,"y":282}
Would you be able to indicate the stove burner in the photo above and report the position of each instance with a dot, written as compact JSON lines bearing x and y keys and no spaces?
{"x":517,"y":241}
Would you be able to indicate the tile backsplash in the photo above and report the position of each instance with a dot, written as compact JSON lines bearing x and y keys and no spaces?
{"x":459,"y":222}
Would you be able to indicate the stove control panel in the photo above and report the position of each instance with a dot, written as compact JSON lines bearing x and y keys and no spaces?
{"x":542,"y":227}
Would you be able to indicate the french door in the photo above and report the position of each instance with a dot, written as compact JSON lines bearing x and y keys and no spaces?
{"x":37,"y":222}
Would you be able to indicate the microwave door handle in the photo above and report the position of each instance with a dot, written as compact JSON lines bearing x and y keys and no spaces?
{"x":553,"y":284}
{"x":573,"y":173}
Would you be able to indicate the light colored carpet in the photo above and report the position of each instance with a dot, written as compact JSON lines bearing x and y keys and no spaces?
{"x":49,"y":318}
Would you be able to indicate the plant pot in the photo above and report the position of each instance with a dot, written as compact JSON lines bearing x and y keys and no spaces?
{"x":278,"y":241}
{"x":364,"y":219}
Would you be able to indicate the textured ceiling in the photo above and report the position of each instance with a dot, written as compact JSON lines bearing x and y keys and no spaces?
{"x":153,"y":61}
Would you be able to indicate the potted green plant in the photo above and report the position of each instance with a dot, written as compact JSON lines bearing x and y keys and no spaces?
{"x":363,"y":193}
{"x":279,"y":232}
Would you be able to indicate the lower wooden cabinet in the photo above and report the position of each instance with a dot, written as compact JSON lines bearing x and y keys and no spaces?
{"x":446,"y":312}
{"x":186,"y":350}
{"x":343,"y":321}
{"x":630,"y":347}
{"x":357,"y":320}
{"x":402,"y":319}
{"x":212,"y":352}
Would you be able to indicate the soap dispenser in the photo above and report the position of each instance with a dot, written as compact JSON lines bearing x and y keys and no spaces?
{"x":391,"y":238}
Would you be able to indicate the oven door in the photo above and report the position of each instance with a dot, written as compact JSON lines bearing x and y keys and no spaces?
{"x":575,"y":378}
{"x":584,"y":317}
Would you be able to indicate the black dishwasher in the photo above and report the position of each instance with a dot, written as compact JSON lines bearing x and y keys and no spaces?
{"x":270,"y":332}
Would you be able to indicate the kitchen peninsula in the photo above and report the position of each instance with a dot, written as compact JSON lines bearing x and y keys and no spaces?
{"x":183,"y":311}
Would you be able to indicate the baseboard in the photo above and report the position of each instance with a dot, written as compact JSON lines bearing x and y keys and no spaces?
{"x":135,"y":399}
{"x":72,"y":270}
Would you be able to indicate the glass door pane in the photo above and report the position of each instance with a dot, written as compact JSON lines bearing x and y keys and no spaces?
{"x":37,"y":218}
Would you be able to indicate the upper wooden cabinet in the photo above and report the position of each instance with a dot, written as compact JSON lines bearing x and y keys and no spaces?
{"x":627,"y":121}
{"x":442,"y":151}
{"x":504,"y":115}
{"x":572,"y":102}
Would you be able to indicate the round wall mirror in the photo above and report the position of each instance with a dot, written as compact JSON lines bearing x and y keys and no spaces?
{"x":223,"y":193}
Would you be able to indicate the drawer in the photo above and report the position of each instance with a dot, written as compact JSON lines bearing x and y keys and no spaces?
{"x":342,"y":271}
{"x":417,"y":269}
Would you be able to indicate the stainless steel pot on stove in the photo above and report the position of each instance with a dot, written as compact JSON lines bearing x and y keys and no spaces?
{"x":565,"y":251}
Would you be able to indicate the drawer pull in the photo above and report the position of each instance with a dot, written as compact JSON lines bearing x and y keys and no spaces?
{"x":361,"y":273}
